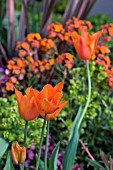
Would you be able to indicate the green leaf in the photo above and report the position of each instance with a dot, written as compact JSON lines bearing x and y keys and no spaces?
{"x":71,"y":149}
{"x":53,"y":159}
{"x":8,"y":165}
{"x":95,"y":164}
{"x":75,"y":122}
{"x":3,"y":146}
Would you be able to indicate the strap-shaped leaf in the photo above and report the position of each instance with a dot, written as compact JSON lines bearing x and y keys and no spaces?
{"x":8,"y":165}
{"x":53,"y":159}
{"x":3,"y":146}
{"x":71,"y":149}
{"x":95,"y":164}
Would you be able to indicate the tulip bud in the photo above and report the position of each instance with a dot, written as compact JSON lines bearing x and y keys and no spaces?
{"x":18,"y":154}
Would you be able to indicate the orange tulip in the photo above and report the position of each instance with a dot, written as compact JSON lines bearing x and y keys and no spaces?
{"x":18,"y":154}
{"x":27,"y":105}
{"x":85,"y":44}
{"x":48,"y":100}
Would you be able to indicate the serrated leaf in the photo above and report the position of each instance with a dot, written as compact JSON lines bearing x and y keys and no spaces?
{"x":53,"y":159}
{"x":3,"y":146}
{"x":8,"y":165}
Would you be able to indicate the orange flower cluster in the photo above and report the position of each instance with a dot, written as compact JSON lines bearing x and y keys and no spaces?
{"x":56,"y":31}
{"x":107,"y":29}
{"x":18,"y":69}
{"x":32,"y":42}
{"x":47,"y":45}
{"x":47,"y":101}
{"x":66,"y":59}
{"x":75,"y":24}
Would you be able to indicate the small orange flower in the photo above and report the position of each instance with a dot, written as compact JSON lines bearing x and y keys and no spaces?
{"x":25,"y":46}
{"x":85,"y":44}
{"x":48,"y":100}
{"x":27,"y":106}
{"x":18,"y":154}
{"x":110,"y":30}
{"x":9,"y":86}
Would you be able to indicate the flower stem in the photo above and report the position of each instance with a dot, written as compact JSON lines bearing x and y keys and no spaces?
{"x":89,"y":94}
{"x":46,"y":150}
{"x":25,"y":133}
{"x":25,"y":137}
{"x":40,"y":145}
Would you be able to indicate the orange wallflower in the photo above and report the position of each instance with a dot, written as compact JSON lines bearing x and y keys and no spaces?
{"x":66,"y":59}
{"x":9,"y":86}
{"x":25,"y":46}
{"x":110,"y":30}
{"x":75,"y":24}
{"x":20,"y":62}
{"x":10,"y":65}
{"x":48,"y":100}
{"x":18,"y":154}
{"x":103,"y":49}
{"x":85,"y":44}
{"x":27,"y":106}
{"x":30,"y":37}
{"x":56,"y":31}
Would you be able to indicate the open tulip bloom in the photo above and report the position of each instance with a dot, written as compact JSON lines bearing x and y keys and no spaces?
{"x":45,"y":103}
{"x":85,"y":44}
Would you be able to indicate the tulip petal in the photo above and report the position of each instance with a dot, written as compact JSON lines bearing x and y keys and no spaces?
{"x":28,"y":109}
{"x":57,"y":98}
{"x":29,"y":93}
{"x":18,"y":96}
{"x":59,"y":87}
{"x":49,"y":107}
{"x":14,"y":155}
{"x":55,"y":114}
{"x":47,"y":92}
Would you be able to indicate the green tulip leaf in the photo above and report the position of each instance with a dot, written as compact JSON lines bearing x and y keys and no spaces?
{"x":8,"y":165}
{"x":53,"y":159}
{"x":71,"y":148}
{"x":3,"y":146}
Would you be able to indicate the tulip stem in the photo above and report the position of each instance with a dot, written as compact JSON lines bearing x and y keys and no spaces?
{"x":25,"y":133}
{"x":46,"y":150}
{"x":40,"y":145}
{"x":89,"y":94}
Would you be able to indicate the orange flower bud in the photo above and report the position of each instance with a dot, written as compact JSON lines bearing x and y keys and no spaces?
{"x":18,"y":153}
{"x":27,"y":105}
{"x":48,"y":100}
{"x":85,"y":44}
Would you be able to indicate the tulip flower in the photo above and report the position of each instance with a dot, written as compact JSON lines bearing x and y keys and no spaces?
{"x":85,"y":44}
{"x":18,"y":154}
{"x":27,"y":105}
{"x":48,"y":100}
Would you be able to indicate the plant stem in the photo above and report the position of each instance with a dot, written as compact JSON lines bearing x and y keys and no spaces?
{"x":25,"y":133}
{"x":89,"y":94}
{"x":25,"y":137}
{"x":46,"y":150}
{"x":40,"y":145}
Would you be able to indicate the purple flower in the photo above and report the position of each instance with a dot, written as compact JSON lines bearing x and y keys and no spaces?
{"x":1,"y":70}
{"x":27,"y":163}
{"x":31,"y":154}
{"x":32,"y":166}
